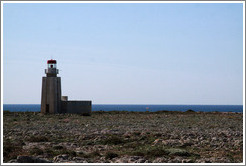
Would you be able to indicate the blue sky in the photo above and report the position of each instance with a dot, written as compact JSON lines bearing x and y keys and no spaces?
{"x":125,"y":53}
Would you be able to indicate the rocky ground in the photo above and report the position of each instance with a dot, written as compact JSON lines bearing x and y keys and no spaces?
{"x":123,"y":137}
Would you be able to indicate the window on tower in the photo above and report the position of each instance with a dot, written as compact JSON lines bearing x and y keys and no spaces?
{"x":51,"y":65}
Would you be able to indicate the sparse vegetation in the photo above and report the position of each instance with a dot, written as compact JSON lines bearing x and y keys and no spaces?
{"x":150,"y":151}
{"x":113,"y":140}
{"x":116,"y":136}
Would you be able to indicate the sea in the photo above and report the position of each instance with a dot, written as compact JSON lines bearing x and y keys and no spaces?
{"x":137,"y":108}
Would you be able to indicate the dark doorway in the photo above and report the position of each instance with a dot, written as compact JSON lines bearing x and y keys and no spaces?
{"x":47,"y":108}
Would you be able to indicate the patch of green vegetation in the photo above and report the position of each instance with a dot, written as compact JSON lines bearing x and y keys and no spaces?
{"x":151,"y":152}
{"x":148,"y":151}
{"x":36,"y":151}
{"x":112,"y":140}
{"x":133,"y":144}
{"x":54,"y":152}
{"x":178,"y":152}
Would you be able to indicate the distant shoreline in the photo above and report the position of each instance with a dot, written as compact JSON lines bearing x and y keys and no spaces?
{"x":136,"y":108}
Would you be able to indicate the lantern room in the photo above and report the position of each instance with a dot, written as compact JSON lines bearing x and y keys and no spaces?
{"x":51,"y":63}
{"x":51,"y":70}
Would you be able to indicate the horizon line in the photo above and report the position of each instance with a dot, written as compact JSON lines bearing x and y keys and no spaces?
{"x":138,"y":104}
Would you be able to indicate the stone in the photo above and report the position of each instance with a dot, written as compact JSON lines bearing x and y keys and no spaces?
{"x":157,"y":142}
{"x":171,"y":142}
{"x":79,"y":160}
{"x":13,"y":161}
{"x":176,"y":160}
{"x":141,"y":161}
{"x":129,"y":159}
{"x":160,"y":160}
{"x":127,"y":134}
{"x":187,"y":161}
{"x":31,"y":159}
{"x":60,"y":158}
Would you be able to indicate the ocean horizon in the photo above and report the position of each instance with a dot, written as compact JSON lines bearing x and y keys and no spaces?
{"x":135,"y":107}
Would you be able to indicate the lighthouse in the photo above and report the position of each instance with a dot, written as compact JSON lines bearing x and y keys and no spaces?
{"x":51,"y":100}
{"x":51,"y":89}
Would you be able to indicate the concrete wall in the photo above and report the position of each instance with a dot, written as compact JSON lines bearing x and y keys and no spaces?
{"x":63,"y":107}
{"x":78,"y":107}
{"x":51,"y":95}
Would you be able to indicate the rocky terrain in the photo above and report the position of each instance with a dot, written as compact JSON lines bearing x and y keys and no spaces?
{"x":123,"y":137}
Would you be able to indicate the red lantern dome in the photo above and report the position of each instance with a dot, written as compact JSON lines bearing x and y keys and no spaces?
{"x":51,"y":61}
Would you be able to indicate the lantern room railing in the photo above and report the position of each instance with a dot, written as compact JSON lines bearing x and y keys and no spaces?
{"x":52,"y":70}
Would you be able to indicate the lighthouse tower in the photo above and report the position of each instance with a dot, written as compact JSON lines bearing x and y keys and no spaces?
{"x":51,"y":89}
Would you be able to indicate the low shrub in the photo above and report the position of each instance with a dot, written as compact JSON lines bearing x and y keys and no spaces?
{"x":150,"y":151}
{"x":190,"y":111}
{"x":113,"y":140}
{"x":85,"y":114}
{"x":178,"y":152}
{"x":110,"y":155}
{"x":36,"y":151}
{"x":58,"y":147}
{"x":38,"y":138}
{"x":156,"y":152}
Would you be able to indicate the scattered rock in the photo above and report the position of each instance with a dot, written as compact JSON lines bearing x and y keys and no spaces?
{"x":171,"y":142}
{"x":13,"y":161}
{"x":130,"y":159}
{"x":31,"y":159}
{"x":157,"y":142}
{"x":215,"y":138}
{"x":187,"y":161}
{"x":79,"y":160}
{"x":176,"y":160}
{"x":127,"y":134}
{"x":160,"y":160}
{"x":61,"y":158}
